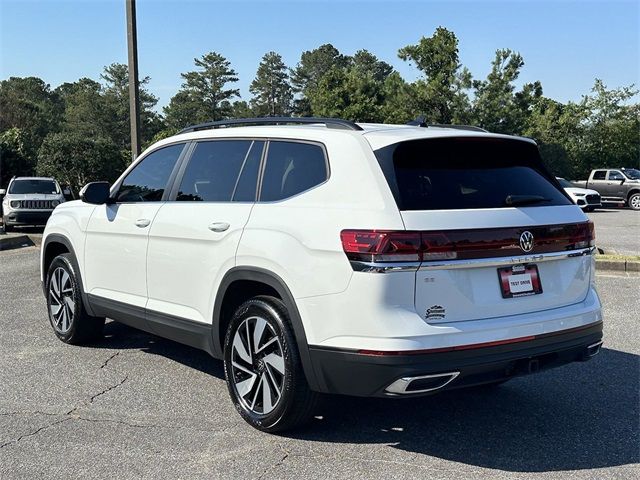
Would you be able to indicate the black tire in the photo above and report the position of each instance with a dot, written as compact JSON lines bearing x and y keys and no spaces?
{"x":71,"y":323}
{"x":634,"y":201}
{"x":7,"y":227}
{"x":295,"y":404}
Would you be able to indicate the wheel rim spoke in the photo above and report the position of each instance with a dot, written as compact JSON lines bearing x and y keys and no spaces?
{"x":62,"y":304}
{"x":258,"y":366}
{"x":276,"y":361}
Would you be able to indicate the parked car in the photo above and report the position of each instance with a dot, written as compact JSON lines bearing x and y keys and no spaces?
{"x":29,"y":201}
{"x":324,"y":256}
{"x":615,"y":185}
{"x":586,"y":199}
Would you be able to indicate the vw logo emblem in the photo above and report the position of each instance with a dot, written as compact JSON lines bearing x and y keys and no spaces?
{"x":526,"y":241}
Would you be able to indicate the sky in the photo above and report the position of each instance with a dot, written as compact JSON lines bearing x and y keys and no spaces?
{"x":565,"y":44}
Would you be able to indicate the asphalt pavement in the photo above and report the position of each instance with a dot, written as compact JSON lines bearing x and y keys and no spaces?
{"x":137,"y":406}
{"x":617,"y":230}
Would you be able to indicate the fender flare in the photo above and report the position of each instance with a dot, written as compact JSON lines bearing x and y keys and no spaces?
{"x":57,"y":238}
{"x":271,"y":279}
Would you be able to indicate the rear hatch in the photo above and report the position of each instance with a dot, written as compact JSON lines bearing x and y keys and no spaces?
{"x":497,"y":234}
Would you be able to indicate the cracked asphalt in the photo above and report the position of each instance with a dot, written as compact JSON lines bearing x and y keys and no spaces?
{"x":137,"y":406}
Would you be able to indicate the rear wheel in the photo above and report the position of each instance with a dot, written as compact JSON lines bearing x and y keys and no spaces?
{"x":262,"y":365}
{"x":634,"y":201}
{"x":67,"y":314}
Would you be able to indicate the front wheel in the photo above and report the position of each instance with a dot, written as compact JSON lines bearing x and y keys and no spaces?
{"x":263,"y":370}
{"x":6,"y":226}
{"x":67,"y":315}
{"x":634,"y":201}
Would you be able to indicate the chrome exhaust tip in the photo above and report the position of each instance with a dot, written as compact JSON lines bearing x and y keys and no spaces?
{"x":421,"y":384}
{"x":592,"y":350}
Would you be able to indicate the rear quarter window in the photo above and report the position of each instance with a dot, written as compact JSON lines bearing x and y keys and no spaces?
{"x":467,"y":173}
{"x":292,"y":168}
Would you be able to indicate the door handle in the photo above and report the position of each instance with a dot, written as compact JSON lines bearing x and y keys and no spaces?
{"x":219,"y":226}
{"x":143,"y":222}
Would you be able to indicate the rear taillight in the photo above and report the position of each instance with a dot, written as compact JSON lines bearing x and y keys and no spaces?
{"x":381,"y":246}
{"x":407,"y":246}
{"x":584,"y":236}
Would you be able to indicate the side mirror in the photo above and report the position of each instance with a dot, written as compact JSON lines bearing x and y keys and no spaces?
{"x":621,"y":181}
{"x":3,"y":191}
{"x":96,"y":193}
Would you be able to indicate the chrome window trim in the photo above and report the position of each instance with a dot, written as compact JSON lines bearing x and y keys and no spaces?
{"x":380,"y":267}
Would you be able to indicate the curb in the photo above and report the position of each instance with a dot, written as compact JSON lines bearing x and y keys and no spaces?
{"x":17,"y":241}
{"x":618,"y":265}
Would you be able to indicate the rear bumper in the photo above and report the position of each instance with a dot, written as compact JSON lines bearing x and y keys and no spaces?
{"x":342,"y":371}
{"x":17,"y":218}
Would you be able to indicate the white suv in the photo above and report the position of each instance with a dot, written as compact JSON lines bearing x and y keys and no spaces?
{"x":29,"y":201}
{"x":323,"y":256}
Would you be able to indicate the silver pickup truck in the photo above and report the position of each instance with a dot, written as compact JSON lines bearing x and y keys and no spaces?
{"x":615,"y":185}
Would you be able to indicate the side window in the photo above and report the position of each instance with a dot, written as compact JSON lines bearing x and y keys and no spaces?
{"x":292,"y":168}
{"x":220,"y":171}
{"x":600,"y":175}
{"x":615,"y":175}
{"x":148,"y":180}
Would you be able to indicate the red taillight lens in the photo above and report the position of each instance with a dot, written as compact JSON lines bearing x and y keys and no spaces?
{"x":584,"y":236}
{"x":406,"y":246}
{"x":381,"y":246}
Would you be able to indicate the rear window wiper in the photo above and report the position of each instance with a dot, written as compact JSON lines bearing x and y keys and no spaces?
{"x":515,"y":200}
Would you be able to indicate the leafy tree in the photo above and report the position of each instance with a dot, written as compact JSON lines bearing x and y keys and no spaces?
{"x":29,"y":104}
{"x":306,"y":76}
{"x":355,"y":92}
{"x":75,"y":159}
{"x":498,"y":107}
{"x":398,"y":100}
{"x":610,"y":129}
{"x":16,"y":155}
{"x":204,"y":94}
{"x":116,"y":96}
{"x":241,"y":109}
{"x":440,"y":92}
{"x":271,"y":88}
{"x":85,"y":109}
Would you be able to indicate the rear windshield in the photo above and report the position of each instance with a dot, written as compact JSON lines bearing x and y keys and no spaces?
{"x":42,"y":187}
{"x":468,"y":173}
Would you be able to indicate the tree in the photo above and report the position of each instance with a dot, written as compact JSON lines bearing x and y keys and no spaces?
{"x":116,"y":96}
{"x":16,"y":155}
{"x":29,"y":105}
{"x":440,"y":92}
{"x":306,"y":76}
{"x":271,"y":88}
{"x":75,"y":159}
{"x":204,"y":95}
{"x":497,"y":106}
{"x":610,"y":129}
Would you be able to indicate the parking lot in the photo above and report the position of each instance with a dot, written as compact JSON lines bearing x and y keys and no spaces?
{"x":617,"y":230}
{"x":137,"y":406}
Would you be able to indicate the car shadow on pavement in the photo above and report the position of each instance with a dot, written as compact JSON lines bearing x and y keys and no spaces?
{"x":121,"y":337}
{"x":581,"y":416}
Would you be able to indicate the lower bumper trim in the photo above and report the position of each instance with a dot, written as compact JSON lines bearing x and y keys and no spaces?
{"x":351,"y":373}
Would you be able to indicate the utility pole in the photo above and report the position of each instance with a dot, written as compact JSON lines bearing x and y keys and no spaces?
{"x":134,"y":92}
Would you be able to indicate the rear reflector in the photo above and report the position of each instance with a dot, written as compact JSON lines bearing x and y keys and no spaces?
{"x":410,"y":246}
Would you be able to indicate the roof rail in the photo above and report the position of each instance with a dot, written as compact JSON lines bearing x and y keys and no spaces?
{"x":421,"y":122}
{"x":328,"y":122}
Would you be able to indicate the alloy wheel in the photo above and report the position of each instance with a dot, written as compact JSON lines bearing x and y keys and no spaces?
{"x":61,"y":304}
{"x":258,"y":366}
{"x":635,"y":202}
